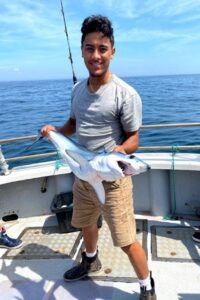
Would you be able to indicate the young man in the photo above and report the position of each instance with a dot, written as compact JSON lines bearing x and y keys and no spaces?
{"x":105,"y":114}
{"x":8,"y":242}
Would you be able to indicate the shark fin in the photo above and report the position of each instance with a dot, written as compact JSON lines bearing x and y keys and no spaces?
{"x":77,"y":157}
{"x":99,"y":190}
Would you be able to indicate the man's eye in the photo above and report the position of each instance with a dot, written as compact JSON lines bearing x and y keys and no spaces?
{"x":90,"y":49}
{"x":103,"y":49}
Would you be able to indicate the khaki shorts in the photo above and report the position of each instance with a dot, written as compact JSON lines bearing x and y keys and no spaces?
{"x":117,"y":210}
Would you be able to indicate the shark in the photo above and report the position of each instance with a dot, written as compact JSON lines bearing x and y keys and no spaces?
{"x":96,"y":167}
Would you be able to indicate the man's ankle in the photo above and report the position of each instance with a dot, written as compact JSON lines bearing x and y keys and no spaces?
{"x":91,"y":257}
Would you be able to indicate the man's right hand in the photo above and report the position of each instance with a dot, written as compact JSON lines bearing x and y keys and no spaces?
{"x":46,"y":129}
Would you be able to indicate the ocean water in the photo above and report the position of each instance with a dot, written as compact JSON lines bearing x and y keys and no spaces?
{"x":27,"y":105}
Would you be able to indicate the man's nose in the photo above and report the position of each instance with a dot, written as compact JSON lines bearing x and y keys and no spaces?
{"x":96,"y":54}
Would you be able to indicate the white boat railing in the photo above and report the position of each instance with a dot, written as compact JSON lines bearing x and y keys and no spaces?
{"x":141,"y":148}
{"x":171,"y":125}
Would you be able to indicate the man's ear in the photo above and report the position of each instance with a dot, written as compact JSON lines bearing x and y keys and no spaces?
{"x":113,"y":52}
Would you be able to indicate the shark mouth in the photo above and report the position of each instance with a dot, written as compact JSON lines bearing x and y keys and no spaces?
{"x":126,"y":168}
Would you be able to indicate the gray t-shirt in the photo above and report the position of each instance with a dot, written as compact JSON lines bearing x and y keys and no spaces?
{"x":103,"y":116}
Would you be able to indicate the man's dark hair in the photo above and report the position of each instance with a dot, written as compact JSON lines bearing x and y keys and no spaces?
{"x":97,"y":23}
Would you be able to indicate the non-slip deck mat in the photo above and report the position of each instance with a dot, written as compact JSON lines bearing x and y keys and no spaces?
{"x":174,"y":243}
{"x":115,"y":263}
{"x":45,"y":242}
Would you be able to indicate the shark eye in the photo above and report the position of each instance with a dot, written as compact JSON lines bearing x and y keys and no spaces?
{"x":132,"y":156}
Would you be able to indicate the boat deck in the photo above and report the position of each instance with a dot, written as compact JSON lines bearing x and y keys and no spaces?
{"x":35,"y":271}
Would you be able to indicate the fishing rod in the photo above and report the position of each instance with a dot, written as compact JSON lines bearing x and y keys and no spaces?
{"x":67,"y":36}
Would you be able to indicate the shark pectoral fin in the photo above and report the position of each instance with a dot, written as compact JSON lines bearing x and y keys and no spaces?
{"x":99,"y":190}
{"x":82,"y":161}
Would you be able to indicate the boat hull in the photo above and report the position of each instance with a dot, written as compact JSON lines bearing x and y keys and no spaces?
{"x":171,"y":186}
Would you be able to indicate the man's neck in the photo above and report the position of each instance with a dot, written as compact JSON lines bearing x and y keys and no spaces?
{"x":94,"y":83}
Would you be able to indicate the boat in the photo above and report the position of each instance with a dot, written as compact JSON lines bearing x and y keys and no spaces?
{"x":36,"y":203}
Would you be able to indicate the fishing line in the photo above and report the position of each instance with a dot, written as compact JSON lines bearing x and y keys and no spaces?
{"x":38,"y":138}
{"x":68,"y":44}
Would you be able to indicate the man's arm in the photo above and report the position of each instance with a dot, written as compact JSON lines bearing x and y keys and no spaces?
{"x":68,"y":128}
{"x":131,"y":143}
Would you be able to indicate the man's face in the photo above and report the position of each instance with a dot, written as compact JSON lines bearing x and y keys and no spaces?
{"x":97,"y":52}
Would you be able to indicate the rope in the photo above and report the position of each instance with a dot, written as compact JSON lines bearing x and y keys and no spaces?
{"x":58,"y":162}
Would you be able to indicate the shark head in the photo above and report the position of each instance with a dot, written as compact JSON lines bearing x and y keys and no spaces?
{"x":115,"y":165}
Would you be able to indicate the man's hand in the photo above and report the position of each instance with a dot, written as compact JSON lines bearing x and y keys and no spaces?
{"x":130,"y":144}
{"x":119,"y":149}
{"x":46,"y":129}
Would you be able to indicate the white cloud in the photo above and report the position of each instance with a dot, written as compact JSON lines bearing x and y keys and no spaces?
{"x":178,"y":7}
{"x":146,"y":35}
{"x":35,"y":21}
{"x":28,"y":21}
{"x":137,"y":8}
{"x":187,"y":19}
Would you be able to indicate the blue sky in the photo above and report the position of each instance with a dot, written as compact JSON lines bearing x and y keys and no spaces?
{"x":153,"y":37}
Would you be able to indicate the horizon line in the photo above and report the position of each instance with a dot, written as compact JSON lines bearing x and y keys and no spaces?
{"x":56,"y":79}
